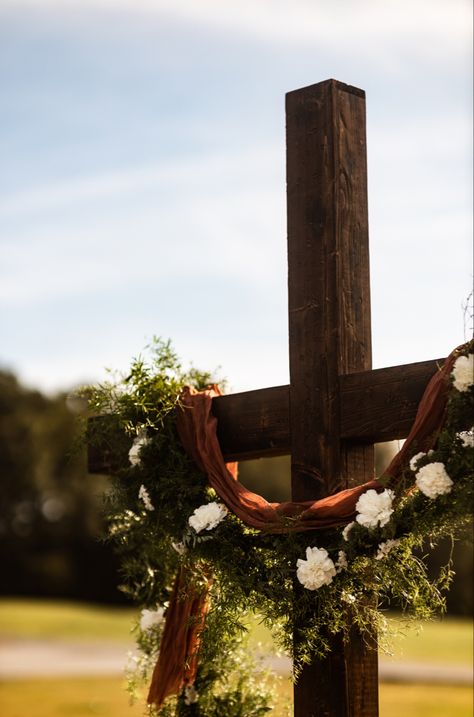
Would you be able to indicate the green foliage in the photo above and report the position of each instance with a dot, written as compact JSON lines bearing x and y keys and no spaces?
{"x":257,"y":571}
{"x":50,"y":509}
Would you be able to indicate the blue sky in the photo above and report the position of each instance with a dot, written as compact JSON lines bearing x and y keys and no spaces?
{"x":143,"y":177}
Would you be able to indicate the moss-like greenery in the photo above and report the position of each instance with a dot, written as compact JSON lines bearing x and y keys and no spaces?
{"x":256,"y":571}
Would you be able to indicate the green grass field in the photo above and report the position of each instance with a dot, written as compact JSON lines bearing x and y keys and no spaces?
{"x":448,"y":641}
{"x":54,"y":619}
{"x":89,"y":697}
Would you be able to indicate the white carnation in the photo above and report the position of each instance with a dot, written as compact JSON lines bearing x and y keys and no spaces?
{"x":207,"y":516}
{"x":374,"y":508}
{"x":467,"y":438}
{"x":347,"y":530}
{"x":463,"y":372}
{"x":341,"y":563}
{"x":144,"y":496}
{"x":415,"y":460}
{"x":134,"y":452}
{"x":433,"y":480}
{"x":318,"y":569}
{"x":151,"y":618}
{"x":191,"y":695}
{"x":385,"y":548}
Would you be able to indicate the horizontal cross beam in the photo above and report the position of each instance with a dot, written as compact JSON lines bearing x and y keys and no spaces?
{"x":376,"y":406}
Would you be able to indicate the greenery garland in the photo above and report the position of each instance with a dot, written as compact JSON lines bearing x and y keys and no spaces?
{"x":162,"y":514}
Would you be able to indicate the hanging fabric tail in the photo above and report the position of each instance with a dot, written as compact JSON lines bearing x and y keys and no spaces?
{"x":177,"y":662}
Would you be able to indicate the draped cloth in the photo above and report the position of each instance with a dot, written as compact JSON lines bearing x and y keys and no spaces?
{"x":197,"y":428}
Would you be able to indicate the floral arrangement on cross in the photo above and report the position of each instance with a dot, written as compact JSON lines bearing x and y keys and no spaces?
{"x":200,"y":552}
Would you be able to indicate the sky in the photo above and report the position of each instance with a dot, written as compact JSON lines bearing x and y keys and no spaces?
{"x":142,"y":182}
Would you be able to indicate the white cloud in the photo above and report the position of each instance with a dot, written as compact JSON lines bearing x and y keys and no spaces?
{"x":369,"y":26}
{"x":133,"y":180}
{"x":291,"y":20}
{"x":211,"y":214}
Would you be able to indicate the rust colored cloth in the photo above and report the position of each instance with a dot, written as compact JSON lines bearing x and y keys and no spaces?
{"x":429,"y":419}
{"x":197,"y":429}
{"x":177,"y":662}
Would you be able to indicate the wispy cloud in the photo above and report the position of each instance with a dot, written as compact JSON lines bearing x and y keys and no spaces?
{"x":297,"y":21}
{"x":144,"y":175}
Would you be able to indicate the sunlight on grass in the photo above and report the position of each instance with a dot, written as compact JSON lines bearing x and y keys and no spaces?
{"x":85,"y":697}
{"x":444,"y":641}
{"x":448,"y":641}
{"x":58,"y":619}
{"x":81,"y":697}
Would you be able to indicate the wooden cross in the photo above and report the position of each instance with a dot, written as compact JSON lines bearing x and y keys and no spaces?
{"x":335,"y":407}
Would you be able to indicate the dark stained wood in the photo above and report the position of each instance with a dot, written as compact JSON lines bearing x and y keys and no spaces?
{"x":376,"y":406}
{"x":329,"y":327}
{"x":253,"y":424}
{"x":381,"y":405}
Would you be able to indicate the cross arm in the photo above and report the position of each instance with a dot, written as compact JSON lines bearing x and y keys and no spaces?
{"x":376,"y":406}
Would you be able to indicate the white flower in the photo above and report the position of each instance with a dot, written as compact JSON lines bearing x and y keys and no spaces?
{"x":347,"y":529}
{"x":341,"y":563}
{"x":415,"y":460}
{"x":151,"y":618}
{"x":143,"y":495}
{"x":191,"y":695}
{"x":179,"y":547}
{"x":467,"y":438}
{"x":138,"y":442}
{"x":318,"y":569}
{"x":433,"y":480}
{"x":463,"y":372}
{"x":348,"y":597}
{"x":207,"y":516}
{"x":385,"y":548}
{"x":374,"y":508}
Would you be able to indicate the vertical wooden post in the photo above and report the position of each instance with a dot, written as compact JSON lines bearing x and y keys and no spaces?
{"x":329,"y":327}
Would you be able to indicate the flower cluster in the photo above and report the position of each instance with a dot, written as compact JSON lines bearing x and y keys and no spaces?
{"x":463,"y":372}
{"x":144,"y":496}
{"x":167,"y":518}
{"x":374,"y":508}
{"x":137,"y":445}
{"x":317,"y":570}
{"x":208,"y":516}
{"x":433,"y":480}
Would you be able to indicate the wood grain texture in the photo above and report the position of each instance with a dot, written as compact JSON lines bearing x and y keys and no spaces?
{"x":381,"y":405}
{"x":329,"y":327}
{"x":376,"y":406}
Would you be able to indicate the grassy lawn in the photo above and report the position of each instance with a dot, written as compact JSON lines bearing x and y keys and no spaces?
{"x":448,"y":641}
{"x":63,"y":620}
{"x":89,"y":697}
{"x":444,"y":641}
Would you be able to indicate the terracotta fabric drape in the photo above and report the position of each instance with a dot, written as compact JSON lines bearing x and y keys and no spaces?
{"x":177,"y":662}
{"x":197,"y":429}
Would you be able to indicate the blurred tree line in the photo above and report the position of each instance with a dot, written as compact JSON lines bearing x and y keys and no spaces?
{"x":50,"y":516}
{"x":51,"y":529}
